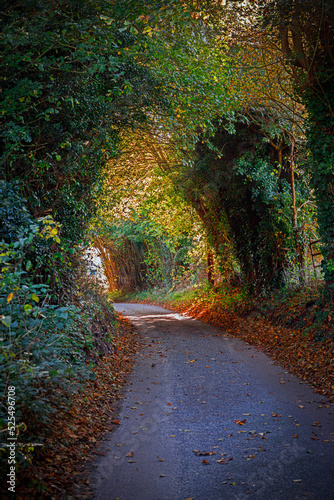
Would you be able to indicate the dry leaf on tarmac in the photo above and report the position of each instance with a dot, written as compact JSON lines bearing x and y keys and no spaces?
{"x":203,"y":453}
{"x":240,"y":422}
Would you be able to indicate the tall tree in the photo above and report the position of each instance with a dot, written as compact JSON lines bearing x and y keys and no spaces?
{"x":306,"y":36}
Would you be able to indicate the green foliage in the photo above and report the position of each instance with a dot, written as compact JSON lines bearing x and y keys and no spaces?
{"x":45,"y":339}
{"x":68,"y":84}
{"x":38,"y":345}
{"x":242,"y":195}
{"x":312,"y":68}
{"x":321,"y":142}
{"x":14,"y":216}
{"x":142,"y":251}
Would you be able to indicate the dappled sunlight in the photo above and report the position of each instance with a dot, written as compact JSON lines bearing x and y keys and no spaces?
{"x":161,"y":317}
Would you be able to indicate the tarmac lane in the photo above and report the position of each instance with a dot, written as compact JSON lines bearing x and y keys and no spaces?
{"x":206,"y":416}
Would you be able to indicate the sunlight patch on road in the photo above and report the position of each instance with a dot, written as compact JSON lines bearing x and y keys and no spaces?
{"x":167,"y":317}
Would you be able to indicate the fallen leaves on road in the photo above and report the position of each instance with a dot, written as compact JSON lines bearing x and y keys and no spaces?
{"x":224,"y":460}
{"x":203,"y":453}
{"x":240,"y":422}
{"x":296,"y":349}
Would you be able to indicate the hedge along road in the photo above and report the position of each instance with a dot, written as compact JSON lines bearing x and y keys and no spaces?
{"x":206,"y":416}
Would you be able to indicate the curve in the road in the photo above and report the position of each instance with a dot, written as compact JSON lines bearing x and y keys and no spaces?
{"x":207,"y":417}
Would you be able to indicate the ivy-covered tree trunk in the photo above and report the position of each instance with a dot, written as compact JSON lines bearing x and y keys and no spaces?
{"x":321,"y":141}
{"x":232,"y":186}
{"x":306,"y":32}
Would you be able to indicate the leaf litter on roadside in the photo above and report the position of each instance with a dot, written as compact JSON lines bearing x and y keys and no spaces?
{"x":76,"y":431}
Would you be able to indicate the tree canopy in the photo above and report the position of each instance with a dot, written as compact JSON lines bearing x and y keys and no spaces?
{"x":182,"y":139}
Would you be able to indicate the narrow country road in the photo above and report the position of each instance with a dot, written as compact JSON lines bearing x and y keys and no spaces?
{"x":208,"y":417}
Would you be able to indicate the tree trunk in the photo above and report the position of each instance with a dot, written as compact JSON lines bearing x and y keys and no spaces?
{"x":299,"y":250}
{"x":210,"y":268}
{"x":321,"y":141}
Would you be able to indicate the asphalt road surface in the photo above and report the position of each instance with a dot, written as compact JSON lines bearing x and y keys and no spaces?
{"x":206,"y":417}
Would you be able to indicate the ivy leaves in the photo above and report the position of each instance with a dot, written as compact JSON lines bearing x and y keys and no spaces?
{"x":69,"y":84}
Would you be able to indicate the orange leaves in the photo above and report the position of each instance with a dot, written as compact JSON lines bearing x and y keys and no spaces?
{"x":240,"y":422}
{"x":210,"y":453}
{"x":145,"y":19}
